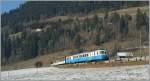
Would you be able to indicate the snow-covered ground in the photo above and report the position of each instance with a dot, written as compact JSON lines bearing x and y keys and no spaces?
{"x":139,"y":72}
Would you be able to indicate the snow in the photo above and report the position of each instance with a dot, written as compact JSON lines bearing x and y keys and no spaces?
{"x":139,"y":72}
{"x":57,"y":63}
{"x":38,"y":30}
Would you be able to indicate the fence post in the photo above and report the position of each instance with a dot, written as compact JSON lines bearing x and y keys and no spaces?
{"x":109,"y":59}
{"x":128,"y":59}
{"x":141,"y":58}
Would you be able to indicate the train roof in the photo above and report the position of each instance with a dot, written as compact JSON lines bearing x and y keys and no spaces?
{"x":87,"y":52}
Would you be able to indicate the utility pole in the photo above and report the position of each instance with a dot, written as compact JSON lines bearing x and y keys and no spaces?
{"x":140,"y":46}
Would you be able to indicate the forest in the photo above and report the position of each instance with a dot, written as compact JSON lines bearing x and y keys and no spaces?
{"x":20,"y":40}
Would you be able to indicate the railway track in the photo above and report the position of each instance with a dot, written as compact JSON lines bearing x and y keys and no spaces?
{"x":112,"y":60}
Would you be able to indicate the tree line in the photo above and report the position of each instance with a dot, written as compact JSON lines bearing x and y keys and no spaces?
{"x":32,"y":11}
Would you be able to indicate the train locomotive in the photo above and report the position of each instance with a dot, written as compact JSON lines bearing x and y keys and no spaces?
{"x":97,"y":55}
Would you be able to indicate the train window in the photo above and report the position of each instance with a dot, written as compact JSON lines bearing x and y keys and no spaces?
{"x":102,"y":52}
{"x":74,"y":57}
{"x":79,"y":55}
{"x":83,"y":55}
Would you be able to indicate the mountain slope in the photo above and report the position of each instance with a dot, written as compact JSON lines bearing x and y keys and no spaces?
{"x":81,"y":32}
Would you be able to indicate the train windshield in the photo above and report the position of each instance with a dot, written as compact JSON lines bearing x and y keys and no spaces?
{"x":103,"y":52}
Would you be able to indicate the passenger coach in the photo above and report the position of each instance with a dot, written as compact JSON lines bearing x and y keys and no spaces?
{"x":97,"y":55}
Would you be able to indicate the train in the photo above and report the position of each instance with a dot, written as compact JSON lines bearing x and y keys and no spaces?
{"x":96,"y":55}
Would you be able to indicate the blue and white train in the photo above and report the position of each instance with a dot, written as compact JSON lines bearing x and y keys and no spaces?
{"x":97,"y":55}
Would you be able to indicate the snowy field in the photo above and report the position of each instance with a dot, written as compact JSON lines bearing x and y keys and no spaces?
{"x":139,"y":72}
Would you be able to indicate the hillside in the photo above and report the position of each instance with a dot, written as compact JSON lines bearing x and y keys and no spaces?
{"x":52,"y":57}
{"x":96,"y":28}
{"x":131,"y":11}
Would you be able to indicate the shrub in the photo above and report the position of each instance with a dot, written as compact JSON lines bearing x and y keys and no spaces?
{"x":38,"y":64}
